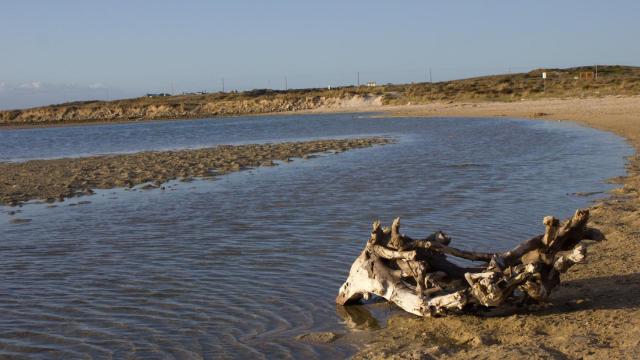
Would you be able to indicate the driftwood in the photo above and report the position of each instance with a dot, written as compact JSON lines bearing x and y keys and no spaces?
{"x":417,"y":276}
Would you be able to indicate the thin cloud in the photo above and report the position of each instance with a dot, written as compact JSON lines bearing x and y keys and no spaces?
{"x":35,"y":85}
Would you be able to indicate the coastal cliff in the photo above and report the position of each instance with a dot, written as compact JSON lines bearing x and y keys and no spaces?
{"x":559,"y":83}
{"x":187,"y":106}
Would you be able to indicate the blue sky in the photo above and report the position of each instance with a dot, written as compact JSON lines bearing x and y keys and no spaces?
{"x":55,"y":51}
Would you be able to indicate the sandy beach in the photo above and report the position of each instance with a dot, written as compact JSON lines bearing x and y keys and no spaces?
{"x":596,"y":312}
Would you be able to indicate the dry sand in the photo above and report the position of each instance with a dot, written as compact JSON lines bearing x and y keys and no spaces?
{"x":596,"y":311}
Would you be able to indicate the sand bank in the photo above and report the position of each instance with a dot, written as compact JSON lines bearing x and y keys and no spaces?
{"x":57,"y":179}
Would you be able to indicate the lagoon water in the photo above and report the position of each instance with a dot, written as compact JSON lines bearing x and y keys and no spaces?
{"x":239,"y":266}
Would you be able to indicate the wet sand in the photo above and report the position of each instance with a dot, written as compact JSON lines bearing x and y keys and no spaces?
{"x":57,"y":179}
{"x":595,"y":314}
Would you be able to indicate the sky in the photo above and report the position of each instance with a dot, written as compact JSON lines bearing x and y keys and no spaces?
{"x":65,"y":50}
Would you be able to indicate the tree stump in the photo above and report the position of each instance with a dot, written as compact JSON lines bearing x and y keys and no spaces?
{"x":417,"y":275}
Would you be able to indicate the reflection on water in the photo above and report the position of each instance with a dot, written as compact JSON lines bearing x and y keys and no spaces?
{"x":357,"y":317}
{"x":239,"y":266}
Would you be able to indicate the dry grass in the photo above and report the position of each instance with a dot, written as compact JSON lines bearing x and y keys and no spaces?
{"x":560,"y":83}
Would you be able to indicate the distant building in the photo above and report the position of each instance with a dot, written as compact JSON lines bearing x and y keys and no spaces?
{"x":195,"y":93}
{"x":371,"y":84}
{"x":586,"y":75}
{"x":157,"y":95}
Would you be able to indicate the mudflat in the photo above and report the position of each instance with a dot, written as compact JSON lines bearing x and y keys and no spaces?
{"x":57,"y":179}
{"x":596,"y":312}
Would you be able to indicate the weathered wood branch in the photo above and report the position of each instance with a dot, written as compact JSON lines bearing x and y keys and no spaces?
{"x":463,"y":254}
{"x":371,"y":275}
{"x":387,"y":253}
{"x":417,"y":276}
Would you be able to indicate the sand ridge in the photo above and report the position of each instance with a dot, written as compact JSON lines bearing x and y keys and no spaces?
{"x":57,"y":179}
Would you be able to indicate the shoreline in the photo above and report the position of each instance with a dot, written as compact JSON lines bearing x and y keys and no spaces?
{"x":525,"y":109}
{"x":595,"y":313}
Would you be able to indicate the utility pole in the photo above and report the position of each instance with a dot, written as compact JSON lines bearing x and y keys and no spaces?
{"x":430,"y":78}
{"x":222,"y":80}
{"x":172,"y":91}
{"x":286,"y":86}
{"x":358,"y":78}
{"x":596,"y":71}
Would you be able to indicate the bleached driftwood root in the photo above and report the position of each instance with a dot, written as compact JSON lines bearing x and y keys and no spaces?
{"x":417,"y":276}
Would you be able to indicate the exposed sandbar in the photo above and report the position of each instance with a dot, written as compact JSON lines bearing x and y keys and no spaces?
{"x":57,"y":179}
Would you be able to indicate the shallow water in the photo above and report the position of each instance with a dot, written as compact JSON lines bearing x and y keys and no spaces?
{"x":237,"y":267}
{"x":82,"y":140}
